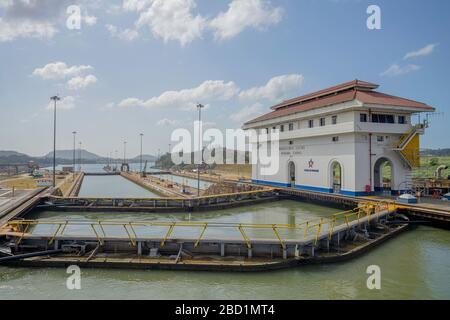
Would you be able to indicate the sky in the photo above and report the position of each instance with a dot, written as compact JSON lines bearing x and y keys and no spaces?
{"x":140,"y":66}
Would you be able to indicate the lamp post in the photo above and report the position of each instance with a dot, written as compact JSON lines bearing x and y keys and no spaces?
{"x":55,"y":99}
{"x":140,"y":160}
{"x":124,"y":153}
{"x":199,"y":108}
{"x":116,"y":160}
{"x":74,"y":147}
{"x":79,"y":156}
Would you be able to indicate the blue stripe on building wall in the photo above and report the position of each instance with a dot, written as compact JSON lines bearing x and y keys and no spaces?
{"x":311,"y":188}
{"x":269,"y":183}
{"x":316,"y":189}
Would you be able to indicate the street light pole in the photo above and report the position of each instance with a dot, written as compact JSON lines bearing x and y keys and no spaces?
{"x":79,"y":156}
{"x":55,"y":99}
{"x":74,"y":147}
{"x":124,"y":152}
{"x":141,"y":154}
{"x":199,"y":107}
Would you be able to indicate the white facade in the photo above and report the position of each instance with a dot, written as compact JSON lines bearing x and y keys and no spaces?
{"x":340,"y":137}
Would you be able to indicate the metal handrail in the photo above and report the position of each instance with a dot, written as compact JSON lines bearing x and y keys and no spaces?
{"x":316,"y":225}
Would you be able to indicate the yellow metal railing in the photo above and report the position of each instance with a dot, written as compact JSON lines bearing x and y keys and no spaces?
{"x":404,"y":137}
{"x":20,"y":228}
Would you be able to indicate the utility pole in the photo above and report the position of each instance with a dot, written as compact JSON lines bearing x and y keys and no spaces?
{"x":124,"y":152}
{"x":116,"y":160}
{"x":79,"y":156}
{"x":199,"y":107}
{"x":74,"y":151}
{"x":141,"y":154}
{"x":55,"y":99}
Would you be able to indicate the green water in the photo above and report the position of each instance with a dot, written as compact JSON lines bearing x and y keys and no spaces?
{"x":282,"y":212}
{"x":112,"y":187}
{"x":184,"y":181}
{"x":414,"y":265}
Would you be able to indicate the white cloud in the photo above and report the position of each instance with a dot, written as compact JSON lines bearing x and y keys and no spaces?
{"x":66,"y":103}
{"x":173,"y":20}
{"x":247,"y":112}
{"x":276,"y":88}
{"x":90,"y":20}
{"x":5,"y":3}
{"x":127,"y":34}
{"x":244,"y":14}
{"x":167,"y":122}
{"x":30,"y":18}
{"x":111,"y":29}
{"x":135,"y":5}
{"x":10,"y":30}
{"x":397,"y":70}
{"x":79,"y":82}
{"x":425,"y":51}
{"x":208,"y":91}
{"x":215,"y":91}
{"x":59,"y":70}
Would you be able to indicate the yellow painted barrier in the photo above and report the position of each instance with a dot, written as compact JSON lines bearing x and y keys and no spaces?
{"x":342,"y":218}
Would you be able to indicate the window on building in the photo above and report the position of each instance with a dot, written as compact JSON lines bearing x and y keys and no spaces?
{"x":362,"y":117}
{"x":383,"y":118}
{"x":267,"y":130}
{"x":335,"y":139}
{"x":311,"y":123}
{"x":322,"y":122}
{"x":291,"y":142}
{"x":334,"y":120}
{"x":274,"y":128}
{"x":291,"y":126}
{"x":402,"y":119}
{"x":282,"y":128}
{"x":380,"y":138}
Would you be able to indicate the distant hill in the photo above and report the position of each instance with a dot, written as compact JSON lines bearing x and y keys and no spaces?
{"x":62,"y":157}
{"x":145,"y":157}
{"x":436,"y":152}
{"x":68,"y":155}
{"x":11,"y":153}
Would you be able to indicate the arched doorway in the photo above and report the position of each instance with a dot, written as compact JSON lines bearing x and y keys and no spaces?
{"x":383,"y":174}
{"x":336,"y":177}
{"x":291,"y":174}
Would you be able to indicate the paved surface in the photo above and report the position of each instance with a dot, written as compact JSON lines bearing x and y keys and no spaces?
{"x":422,"y":202}
{"x":7,"y":201}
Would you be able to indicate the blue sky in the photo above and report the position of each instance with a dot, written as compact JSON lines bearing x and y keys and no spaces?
{"x":135,"y":66}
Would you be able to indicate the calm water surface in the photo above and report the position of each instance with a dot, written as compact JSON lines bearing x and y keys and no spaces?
{"x":414,"y":265}
{"x":183,"y":180}
{"x":112,"y":186}
{"x":280,"y":212}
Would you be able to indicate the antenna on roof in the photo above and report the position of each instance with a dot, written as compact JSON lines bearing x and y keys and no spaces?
{"x":429,"y":115}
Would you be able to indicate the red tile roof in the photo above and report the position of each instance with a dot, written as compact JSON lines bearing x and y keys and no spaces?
{"x":356,"y":89}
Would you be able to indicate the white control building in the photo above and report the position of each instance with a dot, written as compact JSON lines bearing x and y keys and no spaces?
{"x":348,"y":139}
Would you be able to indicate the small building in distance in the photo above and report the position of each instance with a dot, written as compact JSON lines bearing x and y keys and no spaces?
{"x":348,"y":139}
